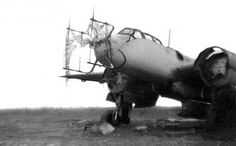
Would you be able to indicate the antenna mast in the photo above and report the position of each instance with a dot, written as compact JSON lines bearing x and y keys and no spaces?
{"x":169,"y":38}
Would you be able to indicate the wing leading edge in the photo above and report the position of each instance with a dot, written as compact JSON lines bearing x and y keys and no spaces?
{"x":95,"y":77}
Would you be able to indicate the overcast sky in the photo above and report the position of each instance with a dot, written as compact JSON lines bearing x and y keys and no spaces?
{"x":32,"y":41}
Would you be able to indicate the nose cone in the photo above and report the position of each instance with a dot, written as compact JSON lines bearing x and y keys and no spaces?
{"x":107,"y":52}
{"x":102,"y":53}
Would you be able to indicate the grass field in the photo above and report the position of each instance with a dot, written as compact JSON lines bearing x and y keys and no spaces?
{"x":58,"y":127}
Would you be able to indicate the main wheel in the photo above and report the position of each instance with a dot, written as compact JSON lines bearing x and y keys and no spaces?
{"x":124,"y":113}
{"x":110,"y":117}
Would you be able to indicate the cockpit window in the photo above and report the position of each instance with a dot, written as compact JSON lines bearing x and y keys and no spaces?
{"x":137,"y":34}
{"x":148,"y":37}
{"x":126,"y":31}
{"x":154,"y":39}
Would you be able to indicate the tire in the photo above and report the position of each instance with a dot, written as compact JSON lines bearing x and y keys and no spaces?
{"x":109,"y":117}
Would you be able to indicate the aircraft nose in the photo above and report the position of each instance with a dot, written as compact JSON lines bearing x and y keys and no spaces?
{"x":103,"y":52}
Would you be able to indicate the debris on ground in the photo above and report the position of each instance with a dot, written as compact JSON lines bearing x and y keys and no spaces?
{"x":180,"y":127}
{"x":106,"y":128}
{"x":103,"y":128}
{"x":172,"y":123}
{"x":142,"y":128}
{"x":80,"y":123}
{"x":77,"y":123}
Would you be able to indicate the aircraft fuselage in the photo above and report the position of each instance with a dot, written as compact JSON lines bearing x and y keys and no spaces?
{"x":141,"y":57}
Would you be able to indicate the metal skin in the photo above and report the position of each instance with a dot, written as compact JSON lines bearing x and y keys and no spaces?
{"x":144,"y":60}
{"x":141,"y":58}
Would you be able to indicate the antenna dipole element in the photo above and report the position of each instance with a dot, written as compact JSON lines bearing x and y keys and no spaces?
{"x":66,"y":50}
{"x":92,"y":21}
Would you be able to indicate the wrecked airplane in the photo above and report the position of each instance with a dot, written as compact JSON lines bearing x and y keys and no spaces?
{"x":138,"y":68}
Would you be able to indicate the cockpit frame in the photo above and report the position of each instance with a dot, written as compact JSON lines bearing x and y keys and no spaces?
{"x":132,"y":31}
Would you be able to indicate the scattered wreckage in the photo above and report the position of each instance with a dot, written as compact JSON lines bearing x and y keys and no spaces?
{"x":170,"y":126}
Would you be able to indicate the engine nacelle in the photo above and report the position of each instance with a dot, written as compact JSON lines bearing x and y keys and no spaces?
{"x":217,"y":66}
{"x":139,"y":92}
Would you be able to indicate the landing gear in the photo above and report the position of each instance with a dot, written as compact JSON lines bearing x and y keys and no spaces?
{"x":121,"y":115}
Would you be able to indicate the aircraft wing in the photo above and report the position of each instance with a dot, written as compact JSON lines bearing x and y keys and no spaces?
{"x":95,"y":77}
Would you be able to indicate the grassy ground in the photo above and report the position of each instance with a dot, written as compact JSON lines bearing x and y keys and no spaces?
{"x":58,"y":127}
